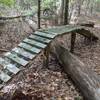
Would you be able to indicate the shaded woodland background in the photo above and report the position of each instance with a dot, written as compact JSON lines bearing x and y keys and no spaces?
{"x":53,"y":13}
{"x":20,"y":18}
{"x":50,"y":10}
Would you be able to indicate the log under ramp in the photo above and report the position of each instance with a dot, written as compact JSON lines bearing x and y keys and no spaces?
{"x":84,"y":78}
{"x":20,"y":56}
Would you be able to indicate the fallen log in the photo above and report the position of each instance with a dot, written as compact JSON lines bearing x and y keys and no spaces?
{"x":86,"y":33}
{"x":84,"y":78}
{"x":87,"y":24}
{"x":16,"y":17}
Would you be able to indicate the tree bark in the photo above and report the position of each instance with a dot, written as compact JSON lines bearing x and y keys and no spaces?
{"x":62,"y":12}
{"x":66,"y":12}
{"x":87,"y":24}
{"x":73,"y":37}
{"x":88,"y":34}
{"x":39,"y":13}
{"x":84,"y":78}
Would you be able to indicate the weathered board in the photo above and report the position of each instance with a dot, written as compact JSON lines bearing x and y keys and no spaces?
{"x":4,"y":77}
{"x":61,"y":29}
{"x":41,"y":39}
{"x":14,"y":57}
{"x":24,"y":53}
{"x":47,"y":35}
{"x":34,"y":43}
{"x":11,"y":67}
{"x":29,"y":48}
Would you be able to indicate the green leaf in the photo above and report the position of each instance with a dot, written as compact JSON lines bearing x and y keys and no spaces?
{"x":7,"y":2}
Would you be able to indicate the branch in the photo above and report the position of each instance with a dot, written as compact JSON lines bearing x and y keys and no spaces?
{"x":14,"y":17}
{"x":4,"y":50}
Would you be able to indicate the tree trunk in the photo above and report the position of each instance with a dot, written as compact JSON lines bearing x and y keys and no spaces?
{"x":39,"y":13}
{"x":66,"y":12}
{"x":76,"y":12}
{"x":84,"y":78}
{"x":61,"y":12}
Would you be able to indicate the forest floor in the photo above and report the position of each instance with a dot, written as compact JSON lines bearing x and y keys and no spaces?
{"x":42,"y":83}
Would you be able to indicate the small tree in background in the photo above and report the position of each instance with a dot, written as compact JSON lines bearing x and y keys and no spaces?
{"x":39,"y":13}
{"x":66,"y":12}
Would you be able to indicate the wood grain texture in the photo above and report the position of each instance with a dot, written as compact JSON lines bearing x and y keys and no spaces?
{"x":84,"y":78}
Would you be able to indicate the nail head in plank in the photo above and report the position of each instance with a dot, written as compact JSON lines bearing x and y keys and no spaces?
{"x":4,"y":77}
{"x":38,"y":38}
{"x":47,"y":35}
{"x":17,"y":59}
{"x":29,"y":48}
{"x":11,"y":67}
{"x":33,"y":42}
{"x":24,"y":53}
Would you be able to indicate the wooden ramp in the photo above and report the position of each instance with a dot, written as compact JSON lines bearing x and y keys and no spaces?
{"x":28,"y":49}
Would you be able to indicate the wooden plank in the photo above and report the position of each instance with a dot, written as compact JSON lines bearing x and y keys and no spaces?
{"x":34,"y":43}
{"x":11,"y":67}
{"x":4,"y":77}
{"x":61,"y":29}
{"x":56,"y":30}
{"x":24,"y":53}
{"x":49,"y":32}
{"x":41,"y":39}
{"x":14,"y":57}
{"x":47,"y":35}
{"x":29,"y":48}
